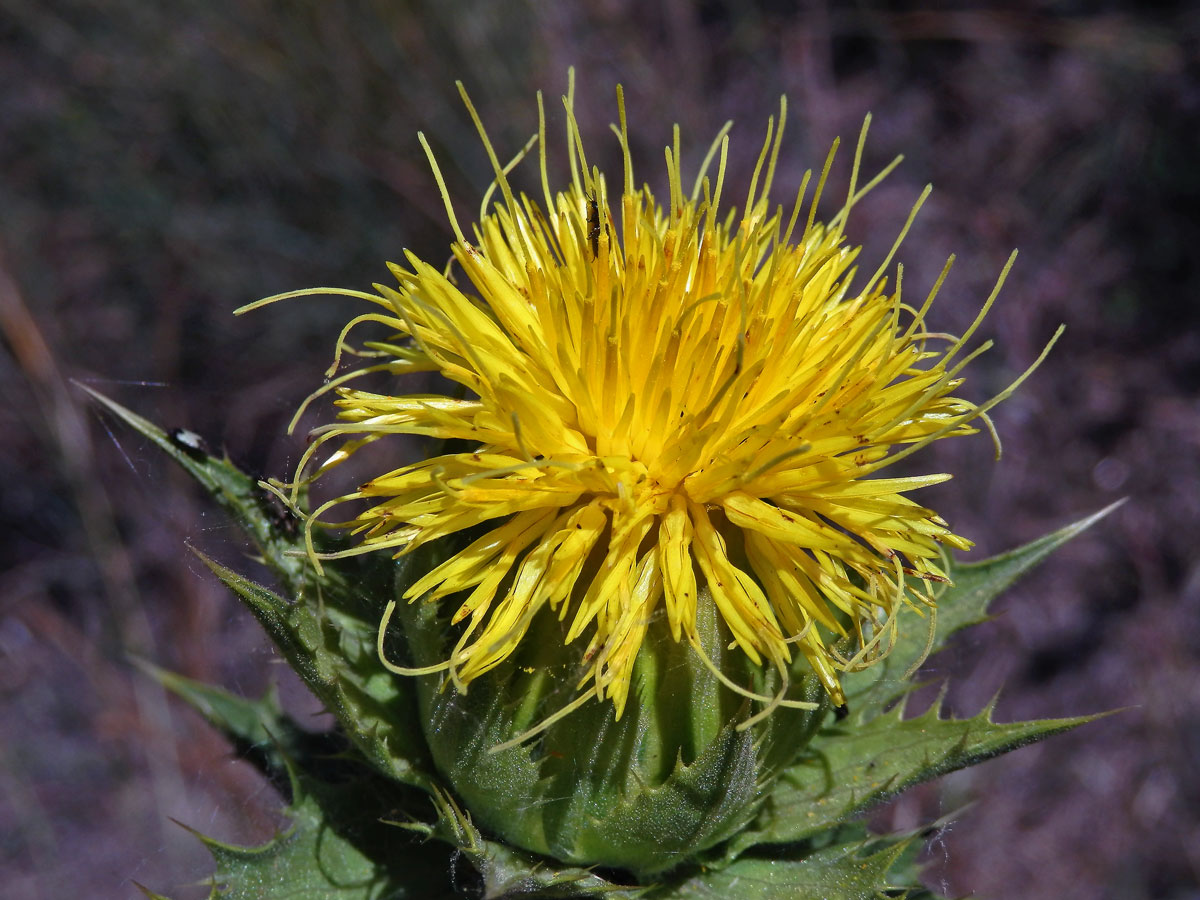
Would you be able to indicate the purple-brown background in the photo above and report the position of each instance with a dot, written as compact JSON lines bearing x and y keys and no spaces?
{"x":164,"y":162}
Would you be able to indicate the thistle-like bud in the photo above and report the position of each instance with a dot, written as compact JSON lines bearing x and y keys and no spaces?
{"x":661,"y":545}
{"x":678,"y":773}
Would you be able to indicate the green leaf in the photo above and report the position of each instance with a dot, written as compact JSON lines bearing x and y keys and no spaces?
{"x":352,"y":833}
{"x":337,"y":846}
{"x":259,"y":730}
{"x":327,"y":633}
{"x":847,"y":770}
{"x":333,"y":651}
{"x":338,"y":841}
{"x":842,"y":871}
{"x":259,"y":513}
{"x":961,"y":604}
{"x":976,"y":585}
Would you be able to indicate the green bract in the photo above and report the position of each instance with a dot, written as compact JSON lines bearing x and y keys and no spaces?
{"x":670,"y":779}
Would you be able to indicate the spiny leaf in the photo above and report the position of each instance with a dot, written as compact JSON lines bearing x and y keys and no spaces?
{"x":328,"y":632}
{"x":354,"y":585}
{"x":351,"y":834}
{"x":843,"y":871}
{"x":847,"y":770}
{"x":961,"y":604}
{"x":357,"y":839}
{"x":976,"y":585}
{"x":333,"y":652}
{"x":254,"y":509}
{"x":336,"y":846}
{"x":259,"y":729}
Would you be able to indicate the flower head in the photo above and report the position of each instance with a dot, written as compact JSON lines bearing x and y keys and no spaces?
{"x":653,"y":398}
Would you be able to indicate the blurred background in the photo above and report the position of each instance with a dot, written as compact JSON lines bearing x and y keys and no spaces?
{"x":162,"y":163}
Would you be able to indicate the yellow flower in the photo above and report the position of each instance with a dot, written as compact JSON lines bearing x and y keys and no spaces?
{"x":657,"y":398}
